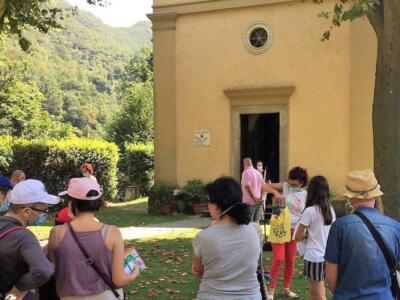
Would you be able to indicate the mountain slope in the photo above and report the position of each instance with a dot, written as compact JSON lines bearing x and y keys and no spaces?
{"x":77,"y":68}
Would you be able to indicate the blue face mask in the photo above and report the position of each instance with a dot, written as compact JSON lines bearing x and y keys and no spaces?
{"x":4,"y":206}
{"x":40,"y":221}
{"x":293,"y":190}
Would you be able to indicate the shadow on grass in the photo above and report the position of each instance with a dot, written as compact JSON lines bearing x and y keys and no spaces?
{"x":133,"y":213}
{"x":125,"y":214}
{"x":169,"y":276}
{"x":169,"y":270}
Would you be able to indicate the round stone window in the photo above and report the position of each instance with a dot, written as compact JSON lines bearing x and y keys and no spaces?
{"x":258,"y":38}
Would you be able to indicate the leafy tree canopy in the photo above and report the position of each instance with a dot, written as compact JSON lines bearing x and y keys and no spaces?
{"x":347,"y":10}
{"x":18,"y":15}
{"x":78,"y":68}
{"x":21,"y":112}
{"x":134,"y":122}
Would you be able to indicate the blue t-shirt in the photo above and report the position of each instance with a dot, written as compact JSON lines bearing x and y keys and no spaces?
{"x":362,"y":269}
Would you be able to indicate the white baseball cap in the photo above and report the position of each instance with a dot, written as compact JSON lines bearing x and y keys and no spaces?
{"x":31,"y":191}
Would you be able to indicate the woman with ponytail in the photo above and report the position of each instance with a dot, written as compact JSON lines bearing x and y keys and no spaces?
{"x":317,"y":219}
{"x":225,"y":255}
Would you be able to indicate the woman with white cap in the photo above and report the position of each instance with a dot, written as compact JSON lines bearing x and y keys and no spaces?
{"x":88,"y":255}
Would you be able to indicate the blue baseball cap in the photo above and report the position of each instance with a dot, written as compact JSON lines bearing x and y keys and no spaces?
{"x":5,"y":182}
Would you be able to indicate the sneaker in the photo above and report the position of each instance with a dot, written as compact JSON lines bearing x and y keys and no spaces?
{"x":270,"y":297}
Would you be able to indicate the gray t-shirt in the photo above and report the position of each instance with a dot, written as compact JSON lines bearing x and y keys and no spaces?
{"x":229,"y":254}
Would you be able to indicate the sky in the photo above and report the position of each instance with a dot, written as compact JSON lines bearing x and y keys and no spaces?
{"x":118,"y":13}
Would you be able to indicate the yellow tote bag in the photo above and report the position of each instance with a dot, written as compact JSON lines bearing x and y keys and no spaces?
{"x":280,"y":227}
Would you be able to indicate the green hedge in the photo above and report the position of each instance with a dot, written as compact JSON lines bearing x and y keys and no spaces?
{"x":5,"y":151}
{"x":55,"y":162}
{"x":137,"y":167}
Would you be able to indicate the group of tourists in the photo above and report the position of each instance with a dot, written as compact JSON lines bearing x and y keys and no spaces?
{"x":356,"y":255}
{"x":84,"y":259}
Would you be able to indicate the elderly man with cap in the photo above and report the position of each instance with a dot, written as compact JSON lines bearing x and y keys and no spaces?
{"x":24,"y":267}
{"x":355,"y":264}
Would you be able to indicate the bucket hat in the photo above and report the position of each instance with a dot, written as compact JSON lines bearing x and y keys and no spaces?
{"x":362,"y":184}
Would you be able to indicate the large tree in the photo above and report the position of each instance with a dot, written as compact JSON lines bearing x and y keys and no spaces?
{"x":17,"y":15}
{"x":384,"y":16}
{"x":21,"y":106}
{"x":133,"y":123}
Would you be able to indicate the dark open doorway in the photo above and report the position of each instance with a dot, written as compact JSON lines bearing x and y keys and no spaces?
{"x":260,"y":141}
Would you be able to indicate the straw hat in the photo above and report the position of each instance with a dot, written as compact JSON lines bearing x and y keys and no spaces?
{"x":362,"y":185}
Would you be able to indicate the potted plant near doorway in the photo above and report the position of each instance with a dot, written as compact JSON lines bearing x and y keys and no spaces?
{"x":160,"y":196}
{"x":180,"y":199}
{"x":193,"y":193}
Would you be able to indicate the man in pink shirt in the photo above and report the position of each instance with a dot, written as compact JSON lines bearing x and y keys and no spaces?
{"x":252,"y":181}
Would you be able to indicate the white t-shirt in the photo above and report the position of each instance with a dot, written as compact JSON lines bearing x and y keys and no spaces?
{"x":317,"y":233}
{"x":296,"y":202}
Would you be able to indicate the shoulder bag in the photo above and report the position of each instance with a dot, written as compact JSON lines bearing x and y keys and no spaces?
{"x":92,"y":262}
{"x":390,"y":259}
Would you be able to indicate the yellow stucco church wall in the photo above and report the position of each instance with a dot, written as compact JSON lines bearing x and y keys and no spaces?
{"x":363,"y":82}
{"x":326,"y":110}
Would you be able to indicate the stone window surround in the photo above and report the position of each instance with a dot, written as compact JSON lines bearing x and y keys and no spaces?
{"x":257,"y":101}
{"x":260,"y":50}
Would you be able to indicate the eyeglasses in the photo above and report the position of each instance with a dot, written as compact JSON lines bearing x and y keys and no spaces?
{"x":40,"y":210}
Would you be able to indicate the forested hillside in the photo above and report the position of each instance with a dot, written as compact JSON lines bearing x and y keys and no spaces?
{"x":77,"y":69}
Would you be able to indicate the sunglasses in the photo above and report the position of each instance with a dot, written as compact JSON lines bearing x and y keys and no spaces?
{"x":39,"y":210}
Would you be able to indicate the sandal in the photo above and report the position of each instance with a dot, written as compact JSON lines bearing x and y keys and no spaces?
{"x":290,"y":295}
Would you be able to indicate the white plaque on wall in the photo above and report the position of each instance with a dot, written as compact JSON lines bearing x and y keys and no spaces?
{"x":201,"y":138}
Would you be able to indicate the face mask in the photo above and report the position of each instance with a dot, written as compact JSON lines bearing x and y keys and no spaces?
{"x":85,"y":173}
{"x":4,"y":206}
{"x":293,"y":190}
{"x":40,"y":221}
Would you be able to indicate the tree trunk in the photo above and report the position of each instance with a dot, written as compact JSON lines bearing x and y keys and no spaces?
{"x":386,"y":107}
{"x":2,"y":10}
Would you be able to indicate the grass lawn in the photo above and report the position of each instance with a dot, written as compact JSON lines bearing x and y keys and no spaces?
{"x":134,"y":213}
{"x":168,"y":256}
{"x":169,"y":267}
{"x":124,"y":214}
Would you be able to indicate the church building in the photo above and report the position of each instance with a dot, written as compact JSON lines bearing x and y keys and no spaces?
{"x":252,"y":78}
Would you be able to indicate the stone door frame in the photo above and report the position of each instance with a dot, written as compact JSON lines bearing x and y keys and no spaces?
{"x":259,"y":101}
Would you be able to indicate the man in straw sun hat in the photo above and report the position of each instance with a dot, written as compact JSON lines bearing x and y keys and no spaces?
{"x":355,"y":264}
